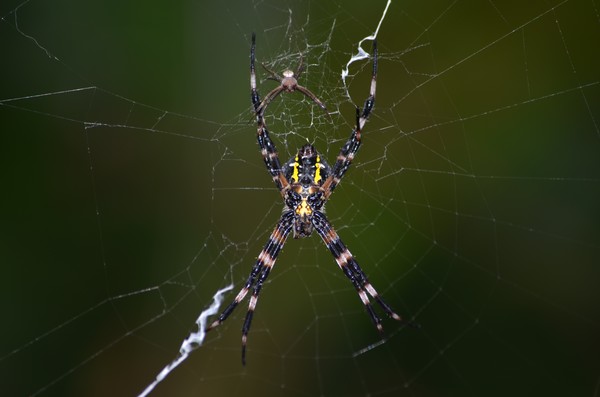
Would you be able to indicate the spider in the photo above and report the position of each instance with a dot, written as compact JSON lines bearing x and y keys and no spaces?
{"x":305,"y":182}
{"x":287,"y":83}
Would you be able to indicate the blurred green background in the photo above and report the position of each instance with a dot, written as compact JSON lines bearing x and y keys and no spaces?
{"x":132,"y":189}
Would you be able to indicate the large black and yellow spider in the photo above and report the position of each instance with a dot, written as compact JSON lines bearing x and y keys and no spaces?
{"x":305,"y":182}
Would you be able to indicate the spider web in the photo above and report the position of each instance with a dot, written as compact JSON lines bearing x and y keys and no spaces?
{"x":133,"y":191}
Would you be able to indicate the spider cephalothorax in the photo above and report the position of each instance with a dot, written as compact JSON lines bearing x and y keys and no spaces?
{"x":289,"y":81}
{"x":305,"y":182}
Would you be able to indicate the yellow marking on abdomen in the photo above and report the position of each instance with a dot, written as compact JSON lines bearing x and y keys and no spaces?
{"x":318,"y":170}
{"x":295,"y":173}
{"x":303,"y":209}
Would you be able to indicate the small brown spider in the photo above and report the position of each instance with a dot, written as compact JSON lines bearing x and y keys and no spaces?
{"x":287,"y":83}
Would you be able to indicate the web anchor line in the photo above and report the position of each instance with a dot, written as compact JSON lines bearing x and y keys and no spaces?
{"x":192,"y":342}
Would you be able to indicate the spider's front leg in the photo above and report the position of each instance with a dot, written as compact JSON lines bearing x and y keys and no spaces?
{"x":350,"y":148}
{"x":264,"y":263}
{"x":266,"y":145}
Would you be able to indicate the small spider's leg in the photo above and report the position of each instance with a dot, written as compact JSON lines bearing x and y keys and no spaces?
{"x":262,"y":107}
{"x":267,"y":257}
{"x":350,"y":148}
{"x":350,"y":267}
{"x":272,"y":74}
{"x":300,"y":67}
{"x":314,"y":98}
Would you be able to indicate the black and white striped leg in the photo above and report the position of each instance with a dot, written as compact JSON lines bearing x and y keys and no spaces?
{"x":270,"y":156}
{"x":253,"y":92}
{"x":266,"y":145}
{"x":264,"y":263}
{"x":351,"y":269}
{"x":350,"y":148}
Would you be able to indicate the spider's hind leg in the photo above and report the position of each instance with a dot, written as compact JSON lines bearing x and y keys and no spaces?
{"x":351,"y":269}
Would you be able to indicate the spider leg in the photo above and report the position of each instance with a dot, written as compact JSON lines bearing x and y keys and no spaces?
{"x":272,"y":74}
{"x":264,"y":263}
{"x":266,"y":145}
{"x":351,"y":269}
{"x":254,"y":93}
{"x":262,"y":107}
{"x":299,"y":70}
{"x":314,"y":98}
{"x":270,"y":156}
{"x":350,"y":148}
{"x":300,"y":67}
{"x":370,"y":101}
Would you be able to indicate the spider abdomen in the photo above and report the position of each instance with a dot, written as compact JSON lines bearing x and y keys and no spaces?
{"x":303,"y":226}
